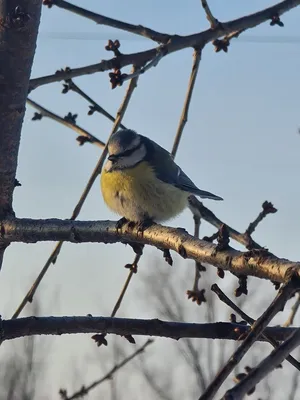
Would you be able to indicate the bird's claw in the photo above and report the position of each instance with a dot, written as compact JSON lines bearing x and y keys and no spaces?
{"x":143,"y":225}
{"x":121,"y":223}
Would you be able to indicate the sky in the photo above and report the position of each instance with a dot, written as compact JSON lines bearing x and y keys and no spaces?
{"x":241,"y":142}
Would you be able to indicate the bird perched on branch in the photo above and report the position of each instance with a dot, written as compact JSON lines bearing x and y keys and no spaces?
{"x":142,"y":183}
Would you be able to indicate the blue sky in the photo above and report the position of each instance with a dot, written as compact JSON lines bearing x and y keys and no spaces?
{"x":240,"y":142}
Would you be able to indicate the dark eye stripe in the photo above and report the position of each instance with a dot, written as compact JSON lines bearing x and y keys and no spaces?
{"x":127,"y":153}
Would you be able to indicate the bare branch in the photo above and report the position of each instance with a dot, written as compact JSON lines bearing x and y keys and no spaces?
{"x":20,"y":327}
{"x":267,"y":208}
{"x":53,"y":257}
{"x":114,"y":23}
{"x":29,"y":296}
{"x":222,"y":296}
{"x":255,"y":263}
{"x":86,"y":389}
{"x":198,"y":208}
{"x":293,"y":313}
{"x":257,"y":329}
{"x":185,"y":111}
{"x":132,"y":271}
{"x":100,"y":338}
{"x":174,"y":44}
{"x":211,"y":19}
{"x":160,"y":53}
{"x":81,"y":132}
{"x":95,"y":106}
{"x":264,"y":368}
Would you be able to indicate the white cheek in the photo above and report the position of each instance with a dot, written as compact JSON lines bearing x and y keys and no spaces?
{"x":108,"y":166}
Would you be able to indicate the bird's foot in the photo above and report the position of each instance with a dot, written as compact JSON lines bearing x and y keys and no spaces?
{"x":123,"y":221}
{"x":145,"y":224}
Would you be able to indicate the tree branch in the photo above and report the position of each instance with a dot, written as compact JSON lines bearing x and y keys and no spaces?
{"x":255,"y":263}
{"x":199,"y":209}
{"x":114,"y":23}
{"x":264,"y":368}
{"x":81,"y":132}
{"x":187,"y":101}
{"x":222,"y":296}
{"x":256,"y":331}
{"x":95,"y":106}
{"x":86,"y":389}
{"x":293,"y":313}
{"x":20,"y":327}
{"x":211,"y":19}
{"x":19,"y":28}
{"x":174,"y":44}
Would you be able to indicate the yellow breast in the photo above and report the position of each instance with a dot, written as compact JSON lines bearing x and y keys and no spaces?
{"x":135,"y":193}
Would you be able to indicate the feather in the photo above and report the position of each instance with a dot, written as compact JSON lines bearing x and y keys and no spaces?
{"x":169,"y":172}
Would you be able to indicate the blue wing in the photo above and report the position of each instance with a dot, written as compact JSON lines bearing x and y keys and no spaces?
{"x":169,"y":172}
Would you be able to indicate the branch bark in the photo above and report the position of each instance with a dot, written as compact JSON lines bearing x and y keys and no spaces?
{"x":80,"y":131}
{"x":255,"y":263}
{"x":264,"y":368}
{"x":20,"y":327}
{"x":114,"y":23}
{"x":175,"y":43}
{"x":19,"y":22}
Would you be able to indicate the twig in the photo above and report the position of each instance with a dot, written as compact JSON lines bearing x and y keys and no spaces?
{"x":196,"y":294}
{"x":28,"y":326}
{"x":198,"y":208}
{"x":81,"y":132}
{"x":96,"y":107}
{"x":224,"y":43}
{"x":293,"y":313}
{"x":267,"y":208}
{"x":160,"y":53}
{"x":102,"y":20}
{"x":175,"y":43}
{"x":132,"y":271}
{"x":255,"y":263}
{"x":187,"y":101}
{"x":212,"y":20}
{"x":100,"y":338}
{"x":29,"y":296}
{"x":257,"y":329}
{"x":222,"y":296}
{"x":86,"y":389}
{"x":264,"y":368}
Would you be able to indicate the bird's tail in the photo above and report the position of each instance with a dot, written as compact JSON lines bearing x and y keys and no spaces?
{"x":207,"y":195}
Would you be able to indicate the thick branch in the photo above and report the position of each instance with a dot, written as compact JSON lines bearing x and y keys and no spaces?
{"x":114,"y":23}
{"x":18,"y":41}
{"x":259,"y":264}
{"x":19,"y":22}
{"x":175,"y":43}
{"x":16,"y":328}
{"x":264,"y":368}
{"x":256,"y":331}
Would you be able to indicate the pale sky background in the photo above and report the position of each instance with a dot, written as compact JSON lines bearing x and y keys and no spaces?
{"x":240,"y":142}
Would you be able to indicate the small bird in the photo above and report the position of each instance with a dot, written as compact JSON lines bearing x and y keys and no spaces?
{"x":141,"y":182}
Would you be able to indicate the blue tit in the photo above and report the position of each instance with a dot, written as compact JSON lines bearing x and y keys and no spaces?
{"x":141,"y":182}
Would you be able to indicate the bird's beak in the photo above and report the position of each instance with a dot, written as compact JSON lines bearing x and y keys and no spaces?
{"x":112,"y":158}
